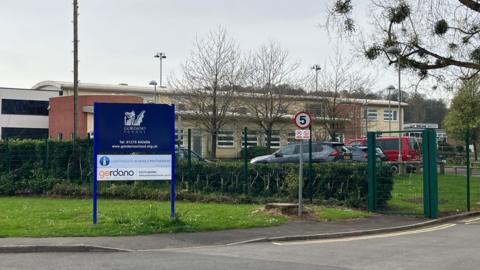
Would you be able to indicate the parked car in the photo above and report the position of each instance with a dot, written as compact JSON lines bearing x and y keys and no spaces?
{"x":360,"y":153}
{"x":337,"y":146}
{"x":389,"y":145}
{"x":291,"y":154}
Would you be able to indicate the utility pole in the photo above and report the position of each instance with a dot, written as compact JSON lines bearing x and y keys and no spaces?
{"x":75,"y":72}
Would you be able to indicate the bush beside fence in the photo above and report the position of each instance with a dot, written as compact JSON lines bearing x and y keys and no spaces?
{"x":51,"y":167}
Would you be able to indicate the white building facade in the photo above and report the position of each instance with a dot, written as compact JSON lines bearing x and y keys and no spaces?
{"x":24,"y":112}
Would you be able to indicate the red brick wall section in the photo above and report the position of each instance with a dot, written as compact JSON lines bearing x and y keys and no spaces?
{"x":60,"y":116}
{"x":353,"y":127}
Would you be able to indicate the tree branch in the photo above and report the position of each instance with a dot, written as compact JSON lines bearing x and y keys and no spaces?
{"x":471,"y":4}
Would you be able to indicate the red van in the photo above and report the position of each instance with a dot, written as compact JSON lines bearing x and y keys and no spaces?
{"x":389,"y":145}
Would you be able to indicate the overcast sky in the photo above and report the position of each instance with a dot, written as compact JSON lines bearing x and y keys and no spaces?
{"x":119,"y":37}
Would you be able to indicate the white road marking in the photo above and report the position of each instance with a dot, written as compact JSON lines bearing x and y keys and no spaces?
{"x":472,"y":220}
{"x":367,"y":237}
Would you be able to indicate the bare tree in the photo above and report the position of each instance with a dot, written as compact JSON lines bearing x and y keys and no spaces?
{"x":431,"y":37}
{"x":338,"y":82}
{"x":210,"y":78}
{"x":269,"y":78}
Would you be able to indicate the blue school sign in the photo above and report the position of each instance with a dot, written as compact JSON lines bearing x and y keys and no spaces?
{"x":133,"y":142}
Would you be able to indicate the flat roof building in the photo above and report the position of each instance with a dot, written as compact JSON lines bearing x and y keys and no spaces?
{"x":24,"y":112}
{"x":353,"y":119}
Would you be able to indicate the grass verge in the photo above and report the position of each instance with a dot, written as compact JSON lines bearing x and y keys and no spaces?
{"x":335,"y":213}
{"x":407,"y":194}
{"x":47,"y":217}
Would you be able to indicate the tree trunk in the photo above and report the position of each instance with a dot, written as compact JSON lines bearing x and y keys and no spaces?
{"x":269,"y":137}
{"x":213,"y":146}
{"x":333,"y":132}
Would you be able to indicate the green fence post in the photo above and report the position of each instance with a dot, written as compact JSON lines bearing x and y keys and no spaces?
{"x":433,"y":173}
{"x":310,"y":169}
{"x":426,"y":174}
{"x":467,"y":152}
{"x":245,"y":153}
{"x":45,"y":155}
{"x":189,"y":156}
{"x":430,"y":174}
{"x":372,"y":191}
{"x":9,"y":155}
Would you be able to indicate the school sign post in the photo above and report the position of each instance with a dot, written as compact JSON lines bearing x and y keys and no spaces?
{"x":133,"y":142}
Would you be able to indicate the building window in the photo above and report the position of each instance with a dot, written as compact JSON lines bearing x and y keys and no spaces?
{"x":316,"y":109}
{"x":24,"y":107}
{"x":241,"y":110}
{"x":179,"y":137}
{"x":282,"y":110}
{"x":24,"y":133}
{"x":389,"y":115}
{"x":291,"y":137}
{"x":370,"y":114}
{"x":275,"y":141}
{"x":252,"y":139}
{"x":225,"y":139}
{"x":340,"y":137}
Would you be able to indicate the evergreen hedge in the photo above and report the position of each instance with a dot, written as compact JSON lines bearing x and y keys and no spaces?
{"x":51,"y":167}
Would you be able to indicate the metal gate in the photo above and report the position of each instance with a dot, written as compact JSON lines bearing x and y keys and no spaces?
{"x":415,"y":192}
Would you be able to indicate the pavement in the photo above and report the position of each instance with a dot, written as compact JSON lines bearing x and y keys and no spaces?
{"x":293,"y":230}
{"x":452,"y":245}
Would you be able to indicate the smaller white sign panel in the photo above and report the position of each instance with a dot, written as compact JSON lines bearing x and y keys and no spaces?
{"x":134,"y":167}
{"x":302,"y":134}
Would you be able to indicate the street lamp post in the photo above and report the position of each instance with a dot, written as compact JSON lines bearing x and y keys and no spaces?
{"x":154,"y":83}
{"x":161,"y":56}
{"x":399,"y":115}
{"x":396,"y":51}
{"x":391,"y":87}
{"x":317,"y":68}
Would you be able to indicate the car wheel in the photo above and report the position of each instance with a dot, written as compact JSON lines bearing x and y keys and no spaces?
{"x":394,"y":169}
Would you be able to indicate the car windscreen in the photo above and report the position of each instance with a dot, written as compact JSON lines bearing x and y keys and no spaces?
{"x":413,"y":144}
{"x":391,"y":144}
{"x":358,"y":143}
{"x":287,"y":150}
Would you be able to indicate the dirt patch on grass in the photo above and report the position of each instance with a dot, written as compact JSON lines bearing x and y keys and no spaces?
{"x":307,"y":214}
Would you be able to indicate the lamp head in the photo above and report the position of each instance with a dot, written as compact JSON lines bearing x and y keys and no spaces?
{"x":160,"y":55}
{"x":316,"y":68}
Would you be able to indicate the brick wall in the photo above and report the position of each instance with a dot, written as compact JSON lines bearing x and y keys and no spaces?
{"x":60,"y":118}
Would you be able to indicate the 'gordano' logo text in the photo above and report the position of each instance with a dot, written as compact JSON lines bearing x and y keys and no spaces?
{"x":115,"y":173}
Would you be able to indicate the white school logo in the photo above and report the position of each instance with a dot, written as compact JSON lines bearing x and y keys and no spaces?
{"x":133,"y":123}
{"x":132,"y":120}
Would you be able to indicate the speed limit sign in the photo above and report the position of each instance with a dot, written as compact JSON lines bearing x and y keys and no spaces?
{"x":302,"y":120}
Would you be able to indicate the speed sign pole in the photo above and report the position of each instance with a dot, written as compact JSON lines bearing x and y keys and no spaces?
{"x":300,"y":181}
{"x":302,"y":120}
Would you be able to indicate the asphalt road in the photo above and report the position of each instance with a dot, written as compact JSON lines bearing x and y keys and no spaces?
{"x":451,"y":246}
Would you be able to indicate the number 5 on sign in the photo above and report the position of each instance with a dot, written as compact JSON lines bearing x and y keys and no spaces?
{"x":302,"y":120}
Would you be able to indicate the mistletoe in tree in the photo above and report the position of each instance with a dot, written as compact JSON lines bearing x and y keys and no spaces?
{"x":431,"y":37}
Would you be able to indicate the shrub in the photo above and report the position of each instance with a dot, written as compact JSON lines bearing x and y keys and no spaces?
{"x":50,"y":167}
{"x":7,"y":184}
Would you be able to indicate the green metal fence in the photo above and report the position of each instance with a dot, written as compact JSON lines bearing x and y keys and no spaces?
{"x":430,"y":187}
{"x":408,"y":192}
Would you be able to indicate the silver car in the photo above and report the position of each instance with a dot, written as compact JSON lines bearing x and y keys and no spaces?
{"x":291,"y":154}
